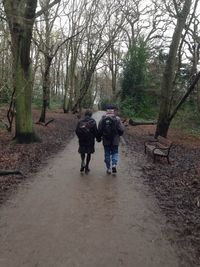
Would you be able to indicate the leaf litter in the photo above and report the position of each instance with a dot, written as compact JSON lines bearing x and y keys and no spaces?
{"x":176,"y":186}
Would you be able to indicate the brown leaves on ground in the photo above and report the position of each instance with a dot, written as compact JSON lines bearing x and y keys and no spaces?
{"x":28,"y":157}
{"x":176,"y":186}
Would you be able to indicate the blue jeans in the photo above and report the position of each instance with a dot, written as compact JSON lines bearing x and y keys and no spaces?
{"x":110,"y":154}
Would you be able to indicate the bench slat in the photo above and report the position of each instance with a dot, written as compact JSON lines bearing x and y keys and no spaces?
{"x":159,"y":148}
{"x":157,"y":151}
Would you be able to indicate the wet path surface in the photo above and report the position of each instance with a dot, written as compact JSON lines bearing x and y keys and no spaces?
{"x":64,"y":219}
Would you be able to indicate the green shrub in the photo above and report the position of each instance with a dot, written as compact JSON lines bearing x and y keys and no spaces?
{"x":187,"y":119}
{"x":55,"y":102}
{"x":142,"y":108}
{"x":37,"y":103}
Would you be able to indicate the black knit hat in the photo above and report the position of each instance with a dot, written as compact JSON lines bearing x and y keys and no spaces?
{"x":109,"y":106}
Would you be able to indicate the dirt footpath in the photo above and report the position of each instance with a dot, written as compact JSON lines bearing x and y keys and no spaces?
{"x":64,"y":219}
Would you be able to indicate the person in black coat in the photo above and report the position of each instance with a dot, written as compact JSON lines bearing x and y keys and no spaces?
{"x":86,"y":131}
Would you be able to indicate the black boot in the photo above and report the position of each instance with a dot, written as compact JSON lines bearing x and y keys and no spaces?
{"x":87,"y":169}
{"x":82,"y":167}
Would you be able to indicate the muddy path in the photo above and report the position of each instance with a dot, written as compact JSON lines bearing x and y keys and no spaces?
{"x":65,"y":219}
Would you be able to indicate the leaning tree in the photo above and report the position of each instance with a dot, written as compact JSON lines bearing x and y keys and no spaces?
{"x":166,"y":114}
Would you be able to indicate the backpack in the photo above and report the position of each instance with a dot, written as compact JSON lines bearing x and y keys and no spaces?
{"x":109,"y":127}
{"x":83,"y":130}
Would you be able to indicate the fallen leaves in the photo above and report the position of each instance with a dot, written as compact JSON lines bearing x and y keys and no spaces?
{"x":176,"y":186}
{"x":28,"y":157}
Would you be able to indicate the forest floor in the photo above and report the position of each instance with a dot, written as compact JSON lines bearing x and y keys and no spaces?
{"x":175,"y":186}
{"x":27,"y":158}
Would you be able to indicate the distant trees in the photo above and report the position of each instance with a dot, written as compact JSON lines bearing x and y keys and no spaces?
{"x":5,"y":63}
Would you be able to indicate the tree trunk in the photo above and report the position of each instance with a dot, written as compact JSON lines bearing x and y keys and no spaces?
{"x":65,"y":102}
{"x":72,"y":77}
{"x":45,"y":89}
{"x":66,"y":87}
{"x":169,"y":73}
{"x":113,"y":68}
{"x":20,"y":20}
{"x":162,"y":127}
{"x":198,"y":96}
{"x":23,"y":100}
{"x":83,"y":91}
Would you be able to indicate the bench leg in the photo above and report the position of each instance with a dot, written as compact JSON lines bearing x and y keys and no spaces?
{"x":145,"y":149}
{"x":154,"y":158}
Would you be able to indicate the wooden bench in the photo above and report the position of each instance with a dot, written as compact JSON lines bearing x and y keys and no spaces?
{"x":159,"y":147}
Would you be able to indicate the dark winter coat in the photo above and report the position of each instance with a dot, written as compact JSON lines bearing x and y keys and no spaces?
{"x":88,"y":146}
{"x":120,"y":131}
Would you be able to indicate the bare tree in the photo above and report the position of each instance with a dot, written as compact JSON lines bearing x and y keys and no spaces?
{"x":169,"y":73}
{"x":46,"y":46}
{"x":99,"y":37}
{"x":76,"y":20}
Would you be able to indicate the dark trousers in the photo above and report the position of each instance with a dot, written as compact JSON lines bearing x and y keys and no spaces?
{"x":88,"y":158}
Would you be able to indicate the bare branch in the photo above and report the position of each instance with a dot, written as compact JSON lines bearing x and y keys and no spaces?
{"x":40,"y":12}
